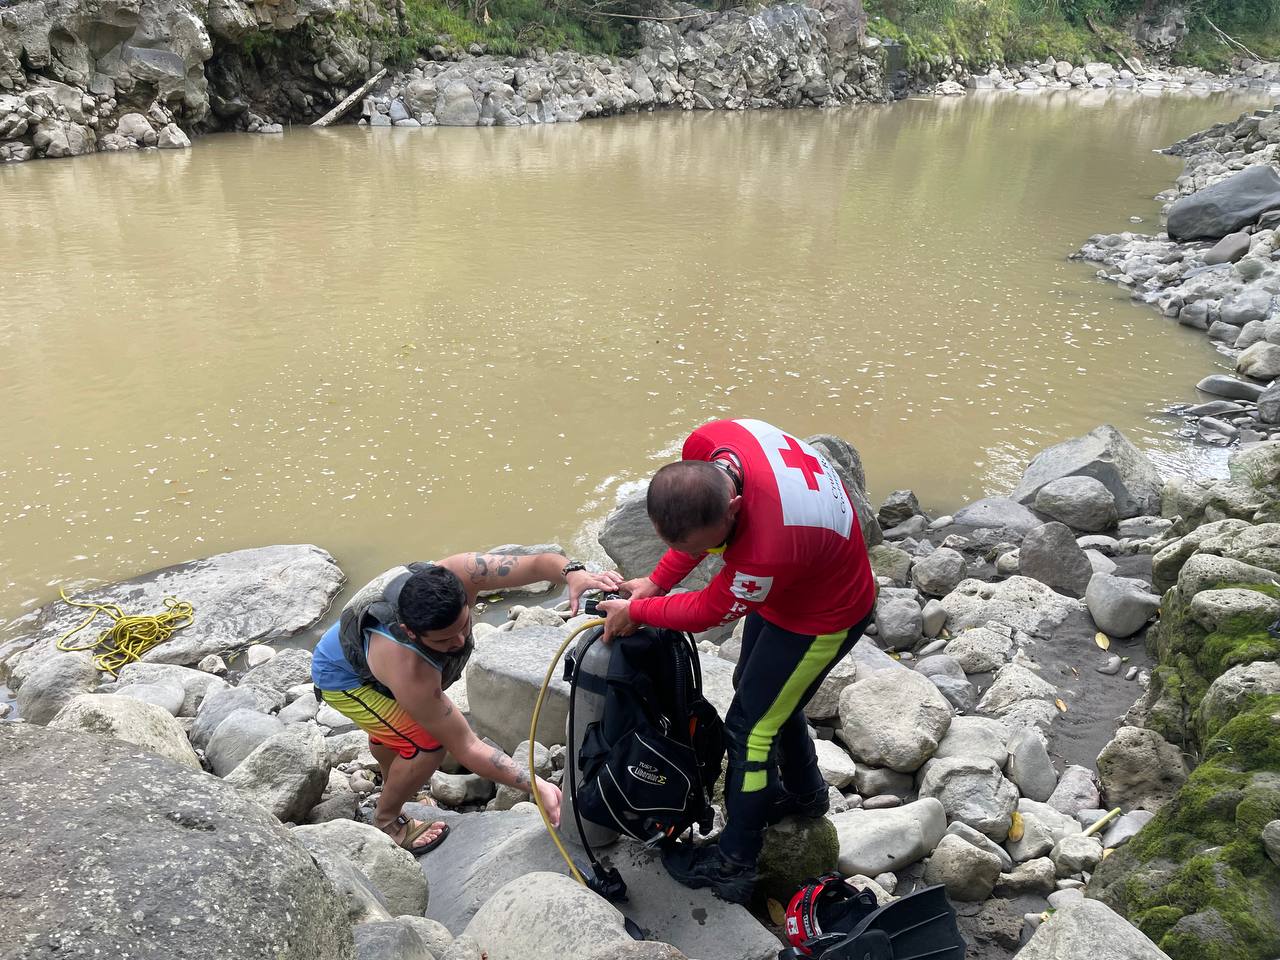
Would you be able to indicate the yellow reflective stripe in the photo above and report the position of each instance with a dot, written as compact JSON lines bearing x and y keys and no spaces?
{"x":759,"y":741}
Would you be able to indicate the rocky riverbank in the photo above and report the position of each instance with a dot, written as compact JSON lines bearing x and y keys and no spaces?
{"x":970,"y":740}
{"x":77,"y":78}
{"x":1216,"y":268}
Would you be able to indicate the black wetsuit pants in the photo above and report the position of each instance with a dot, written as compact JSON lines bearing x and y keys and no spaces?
{"x":777,"y":675}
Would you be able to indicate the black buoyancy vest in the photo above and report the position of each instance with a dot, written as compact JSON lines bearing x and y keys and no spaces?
{"x":376,"y":605}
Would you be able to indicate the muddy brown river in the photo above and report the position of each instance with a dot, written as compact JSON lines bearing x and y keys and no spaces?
{"x":402,"y":343}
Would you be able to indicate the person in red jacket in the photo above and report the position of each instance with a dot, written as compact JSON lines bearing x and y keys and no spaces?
{"x":796,"y":567}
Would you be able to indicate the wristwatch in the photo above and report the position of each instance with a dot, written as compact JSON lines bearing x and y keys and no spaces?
{"x":571,"y":567}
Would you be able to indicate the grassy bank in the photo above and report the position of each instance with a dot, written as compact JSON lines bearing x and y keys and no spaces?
{"x":981,"y":32}
{"x":511,"y":27}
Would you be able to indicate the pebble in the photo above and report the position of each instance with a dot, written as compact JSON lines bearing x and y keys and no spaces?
{"x":213,"y":664}
{"x":5,"y":709}
{"x":888,"y":881}
{"x":931,"y":648}
{"x":1131,"y":674}
{"x":1112,"y":666}
{"x":258,"y":654}
{"x":882,"y":802}
{"x":1070,"y":884}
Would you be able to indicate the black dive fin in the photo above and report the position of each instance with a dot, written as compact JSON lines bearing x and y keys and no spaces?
{"x":921,"y":926}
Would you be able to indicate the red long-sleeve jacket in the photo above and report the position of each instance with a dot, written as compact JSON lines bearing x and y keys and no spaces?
{"x":796,"y":554}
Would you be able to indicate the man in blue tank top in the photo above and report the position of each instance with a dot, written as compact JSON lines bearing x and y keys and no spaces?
{"x":399,"y":644}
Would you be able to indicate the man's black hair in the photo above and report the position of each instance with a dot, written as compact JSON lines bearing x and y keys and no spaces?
{"x":432,"y":599}
{"x":686,"y":496}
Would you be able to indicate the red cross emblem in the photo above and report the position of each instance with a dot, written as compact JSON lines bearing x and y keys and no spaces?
{"x":751,"y":586}
{"x":795,"y":458}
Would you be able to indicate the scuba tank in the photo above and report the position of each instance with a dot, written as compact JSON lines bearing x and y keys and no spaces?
{"x":586,"y":667}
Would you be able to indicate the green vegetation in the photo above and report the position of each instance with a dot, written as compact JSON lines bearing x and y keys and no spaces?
{"x":1190,"y":658}
{"x":1196,"y":879}
{"x":512,"y":27}
{"x":981,"y":32}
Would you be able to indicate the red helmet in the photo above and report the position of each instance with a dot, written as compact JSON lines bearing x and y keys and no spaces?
{"x":823,"y":911}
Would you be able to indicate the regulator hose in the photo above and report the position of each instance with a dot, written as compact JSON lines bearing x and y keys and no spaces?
{"x":533,"y":729}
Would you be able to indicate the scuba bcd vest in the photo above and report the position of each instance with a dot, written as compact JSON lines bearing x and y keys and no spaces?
{"x":377,"y":605}
{"x":648,"y":766}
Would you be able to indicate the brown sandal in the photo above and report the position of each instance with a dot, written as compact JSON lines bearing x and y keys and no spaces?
{"x":412,"y":833}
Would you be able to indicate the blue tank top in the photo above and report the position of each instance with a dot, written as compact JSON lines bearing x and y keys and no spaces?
{"x":330,"y":670}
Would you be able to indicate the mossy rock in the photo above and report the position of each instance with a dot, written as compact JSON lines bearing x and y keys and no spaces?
{"x":796,"y":850}
{"x":1196,"y":880}
{"x":1189,"y":658}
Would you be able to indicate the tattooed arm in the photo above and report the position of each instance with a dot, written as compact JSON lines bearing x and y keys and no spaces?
{"x":502,"y":571}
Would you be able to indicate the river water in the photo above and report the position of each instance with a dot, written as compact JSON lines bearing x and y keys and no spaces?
{"x":403,"y":343}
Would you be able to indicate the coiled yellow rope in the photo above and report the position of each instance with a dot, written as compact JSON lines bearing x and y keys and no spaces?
{"x":128,"y":638}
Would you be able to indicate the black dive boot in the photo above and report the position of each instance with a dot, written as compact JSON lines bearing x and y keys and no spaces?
{"x":706,"y":866}
{"x":787,"y":804}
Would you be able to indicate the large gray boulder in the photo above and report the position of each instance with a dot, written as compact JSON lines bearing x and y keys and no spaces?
{"x":893,"y":719}
{"x":221,"y":704}
{"x":825,"y":703}
{"x":1020,"y":697}
{"x":981,"y":650}
{"x":1234,"y":692}
{"x":242,"y":732}
{"x":54,"y":684}
{"x":631,"y":542}
{"x":196,"y":684}
{"x":1088,"y":928}
{"x":1120,"y":606}
{"x":456,"y":105}
{"x":972,"y":791}
{"x":1139,"y":768}
{"x":1081,"y":502}
{"x":489,"y":850}
{"x":1019,"y":602}
{"x":899,"y":624}
{"x":848,"y":463}
{"x":1216,"y":609}
{"x":1260,"y":362}
{"x":546,"y":916}
{"x":1029,"y":766}
{"x":286,"y":669}
{"x":974,"y":738}
{"x":1105,"y":455}
{"x":1226,"y":206}
{"x":1077,"y":790}
{"x":940,"y":572}
{"x":998,"y":513}
{"x":393,"y":870}
{"x":287,"y":774}
{"x":890,"y":561}
{"x":873,"y":842}
{"x":390,"y":940}
{"x":1051,"y":555}
{"x":144,"y":724}
{"x":93,"y":820}
{"x":240,"y":598}
{"x":503,"y":679}
{"x":968,"y":872}
{"x":1042,"y":827}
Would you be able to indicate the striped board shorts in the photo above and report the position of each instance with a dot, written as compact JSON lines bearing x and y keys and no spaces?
{"x":385,"y":721}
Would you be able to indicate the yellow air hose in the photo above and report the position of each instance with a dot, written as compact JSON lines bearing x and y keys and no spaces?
{"x":128,"y":638}
{"x":533,"y":729}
